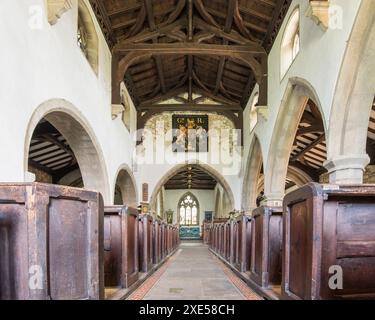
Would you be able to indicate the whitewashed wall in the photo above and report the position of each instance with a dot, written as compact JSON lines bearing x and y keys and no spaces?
{"x":45,"y":63}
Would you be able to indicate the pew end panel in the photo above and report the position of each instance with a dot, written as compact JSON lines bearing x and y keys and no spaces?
{"x":51,"y":243}
{"x":328,"y":226}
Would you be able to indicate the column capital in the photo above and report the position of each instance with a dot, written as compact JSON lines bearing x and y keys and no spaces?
{"x":347,"y":169}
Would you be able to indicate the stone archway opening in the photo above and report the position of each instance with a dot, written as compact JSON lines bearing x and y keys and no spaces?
{"x":298,"y":149}
{"x":60,"y":150}
{"x":51,"y":159}
{"x":204,"y":184}
{"x":125,"y":190}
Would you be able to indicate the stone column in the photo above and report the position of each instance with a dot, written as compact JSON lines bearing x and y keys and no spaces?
{"x":347,"y":169}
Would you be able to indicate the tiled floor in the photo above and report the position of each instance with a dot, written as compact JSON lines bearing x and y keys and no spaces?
{"x":194,"y":273}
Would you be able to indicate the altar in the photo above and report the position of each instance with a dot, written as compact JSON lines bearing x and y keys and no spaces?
{"x":190,"y":232}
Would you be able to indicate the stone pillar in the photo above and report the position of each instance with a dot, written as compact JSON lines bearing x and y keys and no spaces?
{"x":347,"y":169}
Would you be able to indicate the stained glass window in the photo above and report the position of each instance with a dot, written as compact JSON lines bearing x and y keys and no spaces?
{"x":188,"y":209}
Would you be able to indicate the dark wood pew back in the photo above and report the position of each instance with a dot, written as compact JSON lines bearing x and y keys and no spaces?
{"x":266,"y":257}
{"x":51,"y":243}
{"x":145,"y":228}
{"x":120,"y":246}
{"x":243,"y":254}
{"x":328,"y":227}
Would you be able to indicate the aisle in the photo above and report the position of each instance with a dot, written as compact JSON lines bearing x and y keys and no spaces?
{"x":194,"y":273}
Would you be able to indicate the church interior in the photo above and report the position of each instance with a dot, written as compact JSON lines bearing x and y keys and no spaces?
{"x":187,"y":150}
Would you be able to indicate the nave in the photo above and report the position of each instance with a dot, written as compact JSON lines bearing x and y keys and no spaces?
{"x":152,"y":144}
{"x":194,"y":273}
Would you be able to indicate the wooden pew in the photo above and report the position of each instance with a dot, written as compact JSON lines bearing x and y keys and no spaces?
{"x":120,"y":246}
{"x":327,"y":227}
{"x":234,"y":243}
{"x":145,"y":239}
{"x":214,"y":237}
{"x":176,"y":237}
{"x":243,"y":248}
{"x":157,"y":241}
{"x":51,"y":243}
{"x":206,"y":232}
{"x":266,"y":241}
{"x":164,"y":239}
{"x":169,"y":239}
{"x":227,"y":241}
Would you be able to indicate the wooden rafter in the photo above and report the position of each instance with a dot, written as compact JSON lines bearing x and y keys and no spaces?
{"x":300,"y":154}
{"x":188,"y":28}
{"x":151,"y":22}
{"x":227,"y":29}
{"x":136,"y":52}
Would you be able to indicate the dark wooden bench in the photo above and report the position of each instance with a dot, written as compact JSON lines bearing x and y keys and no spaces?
{"x":243,"y":243}
{"x":120,"y":246}
{"x":226,"y":254}
{"x":164,"y":249}
{"x":145,"y":239}
{"x":157,"y":241}
{"x":51,"y":243}
{"x":266,"y":240}
{"x":329,"y":227}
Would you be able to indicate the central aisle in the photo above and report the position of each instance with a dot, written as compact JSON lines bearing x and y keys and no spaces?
{"x":194,"y":273}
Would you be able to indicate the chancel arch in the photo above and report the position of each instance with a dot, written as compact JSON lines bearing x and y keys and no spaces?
{"x":202,"y":181}
{"x":298,"y":139}
{"x":61,"y":148}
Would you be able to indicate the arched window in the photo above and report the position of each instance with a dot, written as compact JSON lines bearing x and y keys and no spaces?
{"x":87,"y":38}
{"x":188,"y":209}
{"x":291,"y":43}
{"x":82,"y":35}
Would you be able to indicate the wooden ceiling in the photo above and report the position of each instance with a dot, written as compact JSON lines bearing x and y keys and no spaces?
{"x":211,"y":48}
{"x":309,"y":148}
{"x":191,"y":177}
{"x":50,"y":152}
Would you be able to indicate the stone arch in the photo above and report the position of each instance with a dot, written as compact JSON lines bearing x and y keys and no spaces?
{"x":297,"y":94}
{"x":205,"y":167}
{"x":127,"y":184}
{"x":72,"y":125}
{"x":352,"y":102}
{"x":299,"y":177}
{"x":251,"y":178}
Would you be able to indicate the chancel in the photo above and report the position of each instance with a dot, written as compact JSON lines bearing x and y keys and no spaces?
{"x":187,"y":149}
